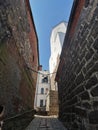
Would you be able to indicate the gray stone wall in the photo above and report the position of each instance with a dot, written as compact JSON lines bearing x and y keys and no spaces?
{"x":78,"y":82}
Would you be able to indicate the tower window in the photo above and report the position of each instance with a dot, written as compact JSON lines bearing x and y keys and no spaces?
{"x":87,"y":3}
{"x":41,"y":103}
{"x":45,"y":80}
{"x":42,"y":90}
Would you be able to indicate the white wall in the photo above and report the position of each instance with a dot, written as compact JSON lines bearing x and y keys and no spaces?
{"x":56,"y":43}
{"x":39,"y":85}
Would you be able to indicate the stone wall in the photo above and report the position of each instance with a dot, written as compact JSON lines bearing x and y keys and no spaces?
{"x":77,"y":74}
{"x":53,"y":99}
{"x":17,"y":85}
{"x":53,"y":93}
{"x":18,"y":122}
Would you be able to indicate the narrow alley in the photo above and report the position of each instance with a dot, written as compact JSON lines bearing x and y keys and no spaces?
{"x":45,"y":123}
{"x":48,"y":64}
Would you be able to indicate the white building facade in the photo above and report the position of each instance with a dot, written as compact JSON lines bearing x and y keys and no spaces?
{"x":56,"y":43}
{"x":42,"y":89}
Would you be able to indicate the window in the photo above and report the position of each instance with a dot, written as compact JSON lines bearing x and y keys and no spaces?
{"x":45,"y":102}
{"x":42,"y":90}
{"x":87,"y":3}
{"x":46,"y":90}
{"x":41,"y":103}
{"x":45,"y":80}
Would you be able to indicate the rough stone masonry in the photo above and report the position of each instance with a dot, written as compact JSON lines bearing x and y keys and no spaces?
{"x":77,"y":74}
{"x":18,"y":39}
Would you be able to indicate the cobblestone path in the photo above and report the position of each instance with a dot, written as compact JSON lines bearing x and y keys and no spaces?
{"x":45,"y":123}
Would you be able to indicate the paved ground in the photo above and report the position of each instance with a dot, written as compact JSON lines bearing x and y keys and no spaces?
{"x":45,"y":123}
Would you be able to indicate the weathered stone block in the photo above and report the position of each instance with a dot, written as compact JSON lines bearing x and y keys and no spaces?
{"x":79,"y":90}
{"x":95,"y":104}
{"x":93,"y":117}
{"x":92,"y":70}
{"x":80,"y":111}
{"x":94,"y":91}
{"x":86,"y":105}
{"x":91,"y":82}
{"x":85,"y":96}
{"x":89,"y":54}
{"x":95,"y":45}
{"x":79,"y":79}
{"x":89,"y":65}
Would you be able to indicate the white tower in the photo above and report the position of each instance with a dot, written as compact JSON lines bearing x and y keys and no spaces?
{"x":56,"y":43}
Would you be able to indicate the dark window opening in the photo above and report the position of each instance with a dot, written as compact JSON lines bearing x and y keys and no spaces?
{"x":45,"y":80}
{"x":45,"y":102}
{"x":87,"y":3}
{"x":41,"y":103}
{"x":42,"y":90}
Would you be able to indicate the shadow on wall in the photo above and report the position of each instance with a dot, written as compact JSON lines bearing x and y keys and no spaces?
{"x":1,"y":112}
{"x":2,"y":109}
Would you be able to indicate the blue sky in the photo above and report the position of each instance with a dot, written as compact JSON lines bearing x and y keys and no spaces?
{"x":47,"y":14}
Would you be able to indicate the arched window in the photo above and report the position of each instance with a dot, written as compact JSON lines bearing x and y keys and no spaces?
{"x":42,"y":90}
{"x":45,"y":80}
